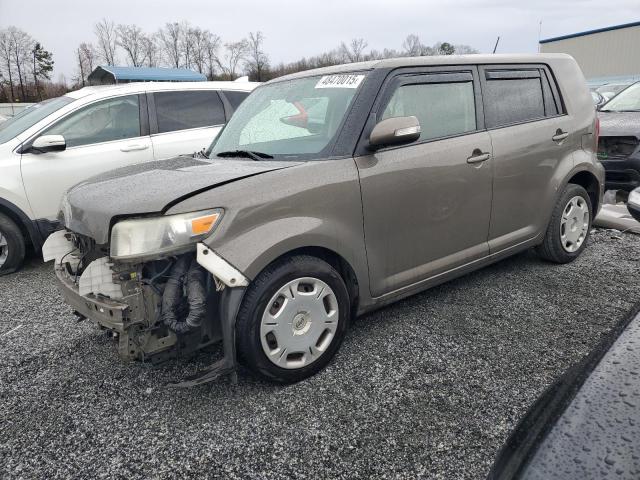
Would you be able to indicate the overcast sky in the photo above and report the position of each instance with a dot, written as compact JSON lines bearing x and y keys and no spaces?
{"x":296,"y":28}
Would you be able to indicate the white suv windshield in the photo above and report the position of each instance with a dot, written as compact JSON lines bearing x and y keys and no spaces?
{"x":30,"y":116}
{"x":295,"y":118}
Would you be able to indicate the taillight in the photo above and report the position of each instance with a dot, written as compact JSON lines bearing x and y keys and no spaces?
{"x":597,"y":132}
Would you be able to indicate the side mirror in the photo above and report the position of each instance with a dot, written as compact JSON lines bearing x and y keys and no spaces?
{"x":395,"y":131}
{"x":49,"y":143}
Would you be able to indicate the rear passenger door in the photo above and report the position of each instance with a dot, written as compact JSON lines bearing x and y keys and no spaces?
{"x":184,"y":122}
{"x":531,"y":137}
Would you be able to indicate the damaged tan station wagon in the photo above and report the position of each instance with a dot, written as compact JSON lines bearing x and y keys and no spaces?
{"x":328,"y":194}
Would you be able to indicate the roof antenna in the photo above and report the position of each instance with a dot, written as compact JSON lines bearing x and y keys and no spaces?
{"x":496,"y":45}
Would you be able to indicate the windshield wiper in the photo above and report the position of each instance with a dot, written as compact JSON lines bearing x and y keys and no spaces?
{"x":257,"y":156}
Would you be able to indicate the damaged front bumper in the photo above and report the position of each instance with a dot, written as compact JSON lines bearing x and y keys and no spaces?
{"x":148,"y":310}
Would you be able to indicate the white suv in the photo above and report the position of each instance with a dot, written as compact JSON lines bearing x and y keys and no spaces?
{"x":55,"y":144}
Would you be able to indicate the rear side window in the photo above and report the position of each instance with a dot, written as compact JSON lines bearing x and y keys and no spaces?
{"x":183,"y":110}
{"x":518,"y":96}
{"x":236,"y":98}
{"x":443,"y":109}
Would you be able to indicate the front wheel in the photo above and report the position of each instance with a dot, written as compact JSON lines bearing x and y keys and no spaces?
{"x":293,"y":319}
{"x":568,"y":230}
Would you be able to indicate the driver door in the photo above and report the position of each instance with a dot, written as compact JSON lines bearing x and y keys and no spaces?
{"x":101,"y":136}
{"x":427,"y":204}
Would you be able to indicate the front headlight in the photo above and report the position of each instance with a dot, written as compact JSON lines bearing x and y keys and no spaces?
{"x":155,"y":235}
{"x":634,"y":198}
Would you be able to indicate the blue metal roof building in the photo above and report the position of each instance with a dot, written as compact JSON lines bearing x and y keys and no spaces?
{"x":107,"y":74}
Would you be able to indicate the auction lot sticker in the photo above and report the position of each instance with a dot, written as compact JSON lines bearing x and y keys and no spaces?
{"x":340,"y":81}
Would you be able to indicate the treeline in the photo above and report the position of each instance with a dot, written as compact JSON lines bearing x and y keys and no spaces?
{"x":26,"y":67}
{"x":182,"y":45}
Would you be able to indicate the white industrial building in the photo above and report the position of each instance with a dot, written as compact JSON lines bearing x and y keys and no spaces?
{"x":605,"y":54}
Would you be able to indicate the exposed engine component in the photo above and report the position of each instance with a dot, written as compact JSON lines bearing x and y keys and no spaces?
{"x":184,"y":300}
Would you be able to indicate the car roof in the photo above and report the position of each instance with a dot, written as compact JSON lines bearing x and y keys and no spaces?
{"x":139,"y":87}
{"x":434,"y":60}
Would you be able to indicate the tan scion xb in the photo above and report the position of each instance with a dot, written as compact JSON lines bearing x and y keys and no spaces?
{"x":328,"y":194}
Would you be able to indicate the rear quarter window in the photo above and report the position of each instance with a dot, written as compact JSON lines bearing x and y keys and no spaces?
{"x":190,"y":109}
{"x":235,"y":98}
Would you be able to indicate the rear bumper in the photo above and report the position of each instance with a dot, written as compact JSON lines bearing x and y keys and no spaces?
{"x":622,"y":174}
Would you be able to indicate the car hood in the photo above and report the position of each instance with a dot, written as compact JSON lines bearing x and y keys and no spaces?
{"x":90,"y":206}
{"x":623,"y":124}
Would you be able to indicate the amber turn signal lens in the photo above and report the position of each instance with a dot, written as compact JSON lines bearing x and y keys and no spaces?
{"x":204,"y":224}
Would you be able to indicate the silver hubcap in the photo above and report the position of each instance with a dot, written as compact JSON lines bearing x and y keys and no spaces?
{"x":4,"y":249}
{"x":299,"y":323}
{"x":574,"y":224}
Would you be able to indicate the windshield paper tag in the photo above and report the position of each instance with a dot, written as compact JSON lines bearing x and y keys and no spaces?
{"x":340,"y":81}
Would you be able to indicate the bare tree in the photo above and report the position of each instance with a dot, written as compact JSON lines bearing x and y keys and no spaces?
{"x":6,"y":49}
{"x":412,"y":46}
{"x":151,"y":50}
{"x":170,"y":37}
{"x":464,"y":49}
{"x":106,"y":35}
{"x":354,"y":51}
{"x":235,"y":52}
{"x":199,"y":42}
{"x":212,"y":47}
{"x":131,"y":38}
{"x":257,"y":60}
{"x":86,"y":56}
{"x":21,"y":47}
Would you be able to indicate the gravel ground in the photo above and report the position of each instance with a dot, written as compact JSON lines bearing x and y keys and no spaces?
{"x":429,"y":387}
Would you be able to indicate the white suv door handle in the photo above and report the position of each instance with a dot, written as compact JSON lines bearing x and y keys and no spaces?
{"x":133,"y":147}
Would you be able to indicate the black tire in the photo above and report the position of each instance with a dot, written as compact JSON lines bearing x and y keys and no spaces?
{"x":15,"y":245}
{"x":260,"y":292}
{"x":551,"y":248}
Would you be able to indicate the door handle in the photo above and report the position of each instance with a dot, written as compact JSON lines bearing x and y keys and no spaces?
{"x":559,"y":136}
{"x":478,"y":157}
{"x":134,"y":147}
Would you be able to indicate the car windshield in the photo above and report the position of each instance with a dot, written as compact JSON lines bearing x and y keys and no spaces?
{"x":289,"y":119}
{"x":30,"y":116}
{"x":626,"y":101}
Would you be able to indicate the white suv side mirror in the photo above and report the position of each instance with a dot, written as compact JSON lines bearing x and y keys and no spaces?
{"x":49,"y":143}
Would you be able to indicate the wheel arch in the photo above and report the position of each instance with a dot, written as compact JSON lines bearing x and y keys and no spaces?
{"x":590,"y":183}
{"x":27,"y":227}
{"x":337,"y":261}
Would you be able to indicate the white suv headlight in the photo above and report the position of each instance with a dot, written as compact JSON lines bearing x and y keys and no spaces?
{"x":155,"y":235}
{"x":634,"y":198}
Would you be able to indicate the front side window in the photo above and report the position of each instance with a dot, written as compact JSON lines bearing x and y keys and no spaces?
{"x":513,"y":97}
{"x":30,"y":116}
{"x":188,"y":109}
{"x":443,"y":109}
{"x":294,"y":118}
{"x":104,"y":121}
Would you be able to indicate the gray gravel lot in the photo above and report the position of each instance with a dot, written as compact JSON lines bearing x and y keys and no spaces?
{"x":429,"y":387}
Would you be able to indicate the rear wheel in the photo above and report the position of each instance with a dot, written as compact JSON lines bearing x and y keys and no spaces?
{"x":568,"y":230}
{"x":293,"y":319}
{"x":12,"y":246}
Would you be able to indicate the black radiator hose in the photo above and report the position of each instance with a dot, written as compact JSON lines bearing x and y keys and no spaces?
{"x":185,"y":273}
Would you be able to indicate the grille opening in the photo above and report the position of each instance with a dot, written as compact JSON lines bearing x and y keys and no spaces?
{"x":616,"y":147}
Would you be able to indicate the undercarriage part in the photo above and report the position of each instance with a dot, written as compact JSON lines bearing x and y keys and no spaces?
{"x":185,"y":295}
{"x":228,"y":307}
